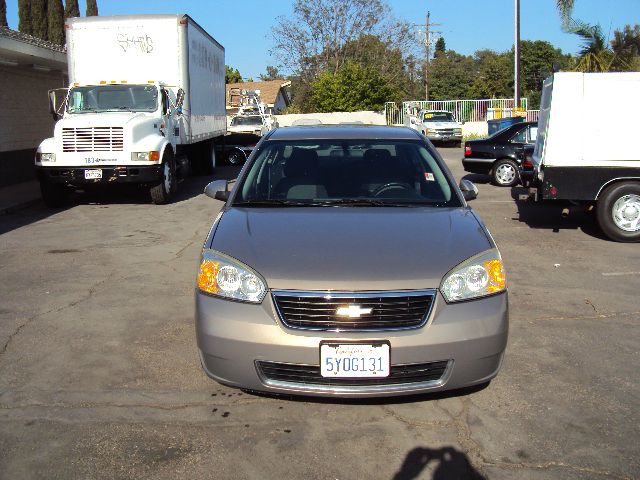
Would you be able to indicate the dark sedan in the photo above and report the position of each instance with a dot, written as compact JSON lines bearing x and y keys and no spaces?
{"x":500,"y":154}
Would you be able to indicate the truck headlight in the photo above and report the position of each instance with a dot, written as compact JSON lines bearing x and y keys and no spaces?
{"x":152,"y":156}
{"x":226,"y":277}
{"x":45,"y":157}
{"x":479,"y":276}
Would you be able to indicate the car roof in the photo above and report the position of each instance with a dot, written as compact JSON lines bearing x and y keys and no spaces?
{"x":343,"y":132}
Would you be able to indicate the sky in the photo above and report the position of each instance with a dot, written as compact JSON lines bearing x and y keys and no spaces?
{"x":244,"y":26}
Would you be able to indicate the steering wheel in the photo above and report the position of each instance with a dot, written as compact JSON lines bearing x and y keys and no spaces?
{"x":392,"y":186}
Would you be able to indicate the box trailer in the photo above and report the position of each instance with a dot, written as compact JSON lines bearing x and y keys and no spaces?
{"x":586,"y":149}
{"x":145,"y":104}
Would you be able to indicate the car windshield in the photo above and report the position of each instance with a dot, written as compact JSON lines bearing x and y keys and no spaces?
{"x":256,"y":120}
{"x":438,"y":117}
{"x":104,"y":98}
{"x":345,"y":172}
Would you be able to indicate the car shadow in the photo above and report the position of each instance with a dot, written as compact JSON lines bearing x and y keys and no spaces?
{"x":114,"y":195}
{"x":422,"y":397}
{"x":548,"y":215}
{"x":477,"y":178}
{"x":448,"y":462}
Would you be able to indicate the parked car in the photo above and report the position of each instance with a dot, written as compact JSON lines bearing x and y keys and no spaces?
{"x":250,"y":124}
{"x":438,"y":126}
{"x":500,"y":154}
{"x":347,"y":262}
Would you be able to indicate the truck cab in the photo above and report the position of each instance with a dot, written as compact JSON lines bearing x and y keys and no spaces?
{"x":111,"y":132}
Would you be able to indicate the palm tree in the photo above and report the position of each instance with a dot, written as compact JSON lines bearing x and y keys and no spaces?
{"x":565,"y":7}
{"x":595,"y":54}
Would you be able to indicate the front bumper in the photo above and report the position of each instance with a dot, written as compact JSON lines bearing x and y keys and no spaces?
{"x":443,"y":137}
{"x":233,"y":337}
{"x":75,"y":176}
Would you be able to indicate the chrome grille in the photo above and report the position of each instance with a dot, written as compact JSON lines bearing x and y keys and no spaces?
{"x":361,"y":311}
{"x":290,"y":373}
{"x":93,"y":139}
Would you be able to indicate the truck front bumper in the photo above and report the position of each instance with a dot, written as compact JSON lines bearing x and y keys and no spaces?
{"x":77,"y":176}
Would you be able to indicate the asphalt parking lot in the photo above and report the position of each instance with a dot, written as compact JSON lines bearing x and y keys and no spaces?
{"x":100,"y":378}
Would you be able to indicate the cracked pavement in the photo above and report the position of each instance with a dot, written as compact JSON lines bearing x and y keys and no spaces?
{"x":100,"y":378}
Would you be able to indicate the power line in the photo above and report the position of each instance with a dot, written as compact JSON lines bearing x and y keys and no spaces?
{"x":427,"y":47}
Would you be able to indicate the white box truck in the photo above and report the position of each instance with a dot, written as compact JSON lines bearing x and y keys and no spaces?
{"x":145,"y":104}
{"x":586,"y":150}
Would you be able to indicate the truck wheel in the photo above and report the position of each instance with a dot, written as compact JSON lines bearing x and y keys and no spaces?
{"x":208,"y":158}
{"x":161,"y":193}
{"x":618,"y":212}
{"x":504,"y":173}
{"x":236,"y":157}
{"x":54,"y":195}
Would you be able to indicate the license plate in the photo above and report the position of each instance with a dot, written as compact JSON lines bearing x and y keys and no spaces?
{"x":93,"y":174}
{"x":354,"y":360}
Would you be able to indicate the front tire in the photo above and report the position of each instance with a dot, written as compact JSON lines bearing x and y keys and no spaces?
{"x":54,"y":195}
{"x":505,"y":173}
{"x":618,"y":212}
{"x":162,"y":192}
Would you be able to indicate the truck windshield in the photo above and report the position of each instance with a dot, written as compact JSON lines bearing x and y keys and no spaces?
{"x":108,"y":98}
{"x":438,"y":117}
{"x":253,"y":120}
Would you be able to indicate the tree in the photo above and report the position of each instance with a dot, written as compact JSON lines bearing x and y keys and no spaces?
{"x":314,"y":37}
{"x":451,"y":76}
{"x":626,"y":49}
{"x":3,"y":13}
{"x":55,"y":23}
{"x":92,"y":8}
{"x":351,"y":89}
{"x":71,"y":9}
{"x":494,"y":78}
{"x":595,"y":54}
{"x":24,"y":14}
{"x":537,"y":59}
{"x":39,"y":19}
{"x":441,"y":47}
{"x":272,"y":73}
{"x":231,"y":75}
{"x":565,"y":7}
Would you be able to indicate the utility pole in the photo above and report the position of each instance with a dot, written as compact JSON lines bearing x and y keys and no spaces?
{"x":427,"y":47}
{"x":516,"y":51}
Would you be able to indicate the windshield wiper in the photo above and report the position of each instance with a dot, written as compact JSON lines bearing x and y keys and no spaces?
{"x":272,"y":203}
{"x":369,"y":202}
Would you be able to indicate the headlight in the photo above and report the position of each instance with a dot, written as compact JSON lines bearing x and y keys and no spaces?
{"x":45,"y":157}
{"x":226,"y":277}
{"x":152,"y":156}
{"x":478,"y":276}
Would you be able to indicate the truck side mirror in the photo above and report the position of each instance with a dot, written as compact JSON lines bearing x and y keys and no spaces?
{"x":179,"y":100}
{"x":52,"y":105}
{"x":218,"y":190}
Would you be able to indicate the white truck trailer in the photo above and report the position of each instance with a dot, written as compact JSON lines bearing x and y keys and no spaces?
{"x":586,"y":149}
{"x":145,"y":104}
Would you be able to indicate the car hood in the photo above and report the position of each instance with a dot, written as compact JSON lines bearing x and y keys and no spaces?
{"x":349,"y":248}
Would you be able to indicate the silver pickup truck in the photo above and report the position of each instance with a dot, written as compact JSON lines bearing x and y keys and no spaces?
{"x":437,"y":126}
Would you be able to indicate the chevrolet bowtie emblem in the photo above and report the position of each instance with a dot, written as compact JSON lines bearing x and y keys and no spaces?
{"x":353,"y":311}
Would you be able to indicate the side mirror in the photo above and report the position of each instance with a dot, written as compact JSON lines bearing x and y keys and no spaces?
{"x":469,"y":190}
{"x":179,"y":100}
{"x":463,"y":122}
{"x":218,"y":190}
{"x":53,"y":107}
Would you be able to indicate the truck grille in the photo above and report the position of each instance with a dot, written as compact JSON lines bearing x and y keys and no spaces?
{"x":93,"y":139}
{"x":310,"y":374}
{"x":445,"y":131}
{"x":359,"y":311}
